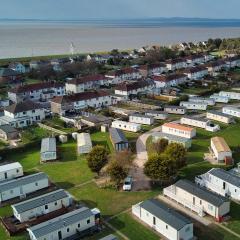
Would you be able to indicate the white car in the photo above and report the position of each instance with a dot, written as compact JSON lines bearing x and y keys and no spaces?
{"x":127,"y":185}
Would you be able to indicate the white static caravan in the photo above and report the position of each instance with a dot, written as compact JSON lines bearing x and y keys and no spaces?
{"x":10,"y":171}
{"x":221,"y":182}
{"x":127,"y":126}
{"x":141,"y":119}
{"x":220,"y":117}
{"x":166,"y":221}
{"x":84,"y":143}
{"x":198,"y":199}
{"x":64,"y":226}
{"x":20,"y":187}
{"x":233,"y":111}
{"x":208,"y":101}
{"x":219,"y":99}
{"x":230,"y":95}
{"x":194,"y":105}
{"x":44,"y":204}
{"x":48,"y":149}
{"x":175,"y":110}
{"x":179,"y":130}
{"x":159,"y":115}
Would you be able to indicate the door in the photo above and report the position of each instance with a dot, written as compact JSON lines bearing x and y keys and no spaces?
{"x":5,"y":175}
{"x":60,"y":235}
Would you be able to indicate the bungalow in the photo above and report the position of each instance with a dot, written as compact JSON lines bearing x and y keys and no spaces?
{"x":39,"y":206}
{"x":195,"y":59}
{"x":221,"y":182}
{"x":7,"y":132}
{"x":10,"y":171}
{"x":220,"y":117}
{"x":22,"y":114}
{"x":169,"y":80}
{"x":230,"y":95}
{"x":166,"y":221}
{"x":84,"y":143}
{"x":198,"y":199}
{"x":8,"y":75}
{"x":126,"y":126}
{"x":194,"y":105}
{"x":141,"y":119}
{"x":175,"y":110}
{"x":48,"y":149}
{"x":219,"y":99}
{"x":118,"y":139}
{"x":179,"y":130}
{"x":20,"y":187}
{"x":233,"y":111}
{"x":208,"y":101}
{"x":82,"y":84}
{"x":159,"y":115}
{"x":151,"y":69}
{"x":186,"y":142}
{"x":196,"y":73}
{"x":175,"y":64}
{"x":18,"y":67}
{"x":68,"y":225}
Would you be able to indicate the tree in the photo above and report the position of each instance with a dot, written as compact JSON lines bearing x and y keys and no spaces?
{"x":97,"y":158}
{"x":160,"y":146}
{"x":124,"y":158}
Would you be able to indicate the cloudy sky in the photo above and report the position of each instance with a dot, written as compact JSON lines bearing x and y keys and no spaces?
{"x":103,"y":9}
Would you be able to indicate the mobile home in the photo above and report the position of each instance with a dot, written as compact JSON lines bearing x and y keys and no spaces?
{"x":84,"y":143}
{"x":175,"y":110}
{"x":10,"y":171}
{"x":141,"y":119}
{"x":127,"y":126}
{"x":159,"y":115}
{"x":48,"y":149}
{"x":208,"y":101}
{"x":194,"y":105}
{"x":220,"y":117}
{"x":233,"y":111}
{"x":230,"y":95}
{"x":219,"y":99}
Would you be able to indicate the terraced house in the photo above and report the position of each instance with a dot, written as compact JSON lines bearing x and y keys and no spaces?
{"x":169,"y":80}
{"x":151,"y":69}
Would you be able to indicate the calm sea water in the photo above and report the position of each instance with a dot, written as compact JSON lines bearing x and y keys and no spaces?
{"x":37,"y":38}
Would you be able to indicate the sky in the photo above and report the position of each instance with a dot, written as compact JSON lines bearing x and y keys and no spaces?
{"x":119,"y":9}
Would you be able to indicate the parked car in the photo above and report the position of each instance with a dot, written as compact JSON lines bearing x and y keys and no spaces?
{"x":127,"y":185}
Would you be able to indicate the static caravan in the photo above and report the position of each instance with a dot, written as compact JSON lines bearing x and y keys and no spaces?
{"x":221,"y":182}
{"x":220,"y":117}
{"x":44,"y":204}
{"x":208,"y":101}
{"x":230,"y":95}
{"x":84,"y":143}
{"x":179,"y":130}
{"x":175,"y":110}
{"x":219,"y":99}
{"x":118,"y":139}
{"x":126,"y":126}
{"x":171,"y":224}
{"x":198,"y":199}
{"x":10,"y":171}
{"x":233,"y":111}
{"x":141,"y":119}
{"x":194,"y":105}
{"x":186,"y":142}
{"x":159,"y":115}
{"x":20,"y":187}
{"x":48,"y":149}
{"x":71,"y":224}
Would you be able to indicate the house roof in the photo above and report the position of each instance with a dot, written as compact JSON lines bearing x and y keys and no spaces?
{"x":5,"y":186}
{"x":220,"y":144}
{"x":23,"y":106}
{"x":152,"y":66}
{"x":201,"y":193}
{"x":122,"y":71}
{"x":8,"y":72}
{"x":193,"y":57}
{"x":178,"y":126}
{"x":48,"y":145}
{"x":132,"y":86}
{"x":195,"y":69}
{"x":85,"y":79}
{"x":175,"y":61}
{"x":168,"y":78}
{"x":8,"y":128}
{"x":166,"y":214}
{"x":61,"y":222}
{"x":171,"y":137}
{"x":10,"y":166}
{"x":117,"y":135}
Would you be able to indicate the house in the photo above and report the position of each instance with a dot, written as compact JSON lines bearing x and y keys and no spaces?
{"x":151,"y":69}
{"x":198,"y":199}
{"x":219,"y":99}
{"x":220,"y":117}
{"x":37,"y":64}
{"x":22,"y":114}
{"x":8,"y":75}
{"x":85,"y":83}
{"x":7,"y":132}
{"x":68,"y":225}
{"x":194,"y":105}
{"x":10,"y":171}
{"x":36,"y":92}
{"x":183,"y":46}
{"x":179,"y":130}
{"x":230,"y":95}
{"x":186,"y":142}
{"x":84,"y":143}
{"x":18,"y":67}
{"x":118,"y":139}
{"x":175,"y":64}
{"x":208,"y":101}
{"x":200,"y":123}
{"x":232,"y":111}
{"x":166,"y":221}
{"x":195,"y":59}
{"x":159,"y":115}
{"x":221,"y":182}
{"x":175,"y":110}
{"x":171,"y":80}
{"x":141,"y":119}
{"x":20,"y":187}
{"x":126,"y":126}
{"x":109,"y":237}
{"x":220,"y":150}
{"x":232,"y":62}
{"x":39,"y":206}
{"x":48,"y":149}
{"x":196,"y":73}
{"x":215,"y":67}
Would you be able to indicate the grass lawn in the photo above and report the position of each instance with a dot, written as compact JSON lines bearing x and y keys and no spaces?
{"x":101,"y":138}
{"x":34,"y":133}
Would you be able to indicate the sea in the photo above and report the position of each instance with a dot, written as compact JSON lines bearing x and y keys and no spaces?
{"x":24,"y":38}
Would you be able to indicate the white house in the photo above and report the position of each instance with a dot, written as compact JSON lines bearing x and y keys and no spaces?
{"x":174,"y":64}
{"x":162,"y":81}
{"x":208,"y":101}
{"x":196,"y":73}
{"x":10,"y":171}
{"x":175,"y":110}
{"x":195,"y":59}
{"x":48,"y":149}
{"x":141,"y":119}
{"x":20,"y":187}
{"x":127,"y":126}
{"x":151,"y":69}
{"x":233,"y":62}
{"x":65,"y":226}
{"x":159,"y":115}
{"x":84,"y":143}
{"x":219,"y":99}
{"x":230,"y":95}
{"x":233,"y":111}
{"x":198,"y":199}
{"x":194,"y":105}
{"x":44,"y":204}
{"x":166,"y":221}
{"x":220,"y":117}
{"x":215,"y":67}
{"x":178,"y":130}
{"x":221,"y":182}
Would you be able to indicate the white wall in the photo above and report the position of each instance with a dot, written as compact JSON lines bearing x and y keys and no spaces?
{"x":141,"y":120}
{"x":177,"y":132}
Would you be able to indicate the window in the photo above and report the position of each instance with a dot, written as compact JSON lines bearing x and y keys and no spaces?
{"x":166,"y":226}
{"x":17,"y":170}
{"x":33,"y":111}
{"x":55,"y":203}
{"x":46,"y":207}
{"x":79,"y":225}
{"x":24,"y":113}
{"x":67,"y":229}
{"x":36,"y":183}
{"x":154,"y":221}
{"x":11,"y":191}
{"x":88,"y":221}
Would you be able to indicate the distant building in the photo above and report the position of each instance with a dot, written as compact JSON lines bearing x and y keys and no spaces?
{"x":118,"y":139}
{"x":18,"y":67}
{"x":195,"y":59}
{"x":219,"y":99}
{"x":10,"y":171}
{"x":208,"y":101}
{"x":151,"y":69}
{"x":48,"y":149}
{"x":159,"y":115}
{"x":9,"y":76}
{"x":175,"y":64}
{"x":84,"y":143}
{"x":171,"y":80}
{"x":196,"y":73}
{"x":194,"y":105}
